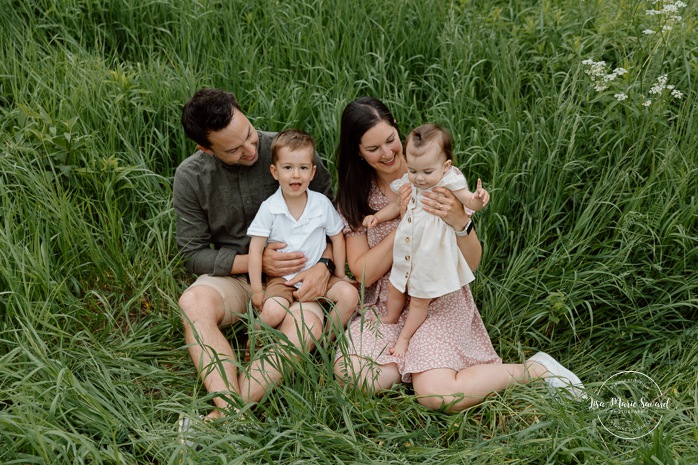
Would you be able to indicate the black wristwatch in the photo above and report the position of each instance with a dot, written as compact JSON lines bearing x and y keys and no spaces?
{"x":329,"y":264}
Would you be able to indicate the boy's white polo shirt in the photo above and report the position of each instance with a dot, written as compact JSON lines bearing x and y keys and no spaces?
{"x":307,"y":235}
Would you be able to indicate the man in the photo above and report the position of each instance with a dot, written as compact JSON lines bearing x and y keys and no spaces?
{"x":217,"y":192}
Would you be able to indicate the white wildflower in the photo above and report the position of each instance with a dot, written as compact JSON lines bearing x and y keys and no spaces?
{"x":620,"y":71}
{"x":647,"y":103}
{"x":666,"y":28}
{"x":620,"y":96}
{"x":648,"y":32}
{"x":677,"y":94}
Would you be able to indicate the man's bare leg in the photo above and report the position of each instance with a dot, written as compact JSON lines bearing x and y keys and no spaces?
{"x":209,"y":349}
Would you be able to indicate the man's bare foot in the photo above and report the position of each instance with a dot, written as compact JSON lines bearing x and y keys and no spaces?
{"x":215,"y":414}
{"x":247,"y":355}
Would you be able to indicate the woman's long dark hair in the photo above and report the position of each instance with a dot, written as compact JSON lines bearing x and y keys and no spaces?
{"x":354,"y":175}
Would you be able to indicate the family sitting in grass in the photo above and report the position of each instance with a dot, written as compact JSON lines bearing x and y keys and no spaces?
{"x":250,"y":204}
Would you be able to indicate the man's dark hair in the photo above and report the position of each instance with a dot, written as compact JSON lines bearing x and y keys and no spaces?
{"x":207,"y":111}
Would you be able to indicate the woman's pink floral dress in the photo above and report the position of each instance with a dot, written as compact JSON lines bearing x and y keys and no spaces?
{"x":453,"y":335}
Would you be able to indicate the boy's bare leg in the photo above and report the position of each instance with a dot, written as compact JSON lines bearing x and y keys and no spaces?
{"x":346,"y":298}
{"x":273,"y":311}
{"x":302,"y":328}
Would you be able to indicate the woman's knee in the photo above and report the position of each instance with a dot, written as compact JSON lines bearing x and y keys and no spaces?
{"x":341,"y":371}
{"x":440,"y":391}
{"x":434,"y":389}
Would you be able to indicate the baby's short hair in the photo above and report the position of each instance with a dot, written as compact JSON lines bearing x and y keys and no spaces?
{"x":422,"y":136}
{"x":292,"y":139}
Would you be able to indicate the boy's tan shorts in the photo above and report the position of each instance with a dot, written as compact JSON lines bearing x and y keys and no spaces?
{"x":236,"y":292}
{"x":277,"y":288}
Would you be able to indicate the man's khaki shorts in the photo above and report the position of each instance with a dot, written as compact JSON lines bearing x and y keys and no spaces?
{"x":236,"y":292}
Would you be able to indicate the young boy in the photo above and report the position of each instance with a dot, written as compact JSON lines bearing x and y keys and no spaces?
{"x":302,"y":219}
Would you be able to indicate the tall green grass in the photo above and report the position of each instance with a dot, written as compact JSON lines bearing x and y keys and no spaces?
{"x":590,"y":239}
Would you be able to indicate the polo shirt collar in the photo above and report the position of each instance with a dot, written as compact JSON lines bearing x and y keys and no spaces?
{"x":277,"y":206}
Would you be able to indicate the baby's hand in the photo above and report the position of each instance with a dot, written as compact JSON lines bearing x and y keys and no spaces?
{"x":370,"y":221}
{"x":480,"y":197}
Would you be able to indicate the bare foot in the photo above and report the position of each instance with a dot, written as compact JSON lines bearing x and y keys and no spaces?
{"x":400,"y":348}
{"x":247,"y":354}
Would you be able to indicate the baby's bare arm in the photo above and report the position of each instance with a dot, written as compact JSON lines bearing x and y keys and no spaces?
{"x":389,"y":212}
{"x":473,"y":200}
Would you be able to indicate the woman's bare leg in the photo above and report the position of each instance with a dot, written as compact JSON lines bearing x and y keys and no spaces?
{"x":364,"y":374}
{"x":458,"y":390}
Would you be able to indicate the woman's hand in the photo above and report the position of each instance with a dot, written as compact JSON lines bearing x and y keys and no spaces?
{"x":403,"y":198}
{"x":442,"y":203}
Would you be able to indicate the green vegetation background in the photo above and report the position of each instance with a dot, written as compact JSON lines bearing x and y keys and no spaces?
{"x":590,"y":239}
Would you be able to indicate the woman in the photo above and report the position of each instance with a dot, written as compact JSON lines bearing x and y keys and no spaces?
{"x":450,"y":361}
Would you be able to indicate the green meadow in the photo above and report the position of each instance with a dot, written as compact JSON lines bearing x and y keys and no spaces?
{"x":590,"y":240}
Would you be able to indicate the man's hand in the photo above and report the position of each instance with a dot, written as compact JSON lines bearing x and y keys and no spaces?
{"x":314,"y":281}
{"x":277,"y":264}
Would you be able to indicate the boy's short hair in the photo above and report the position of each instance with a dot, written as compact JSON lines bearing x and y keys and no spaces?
{"x":292,"y":139}
{"x":208,"y":110}
{"x":422,"y":136}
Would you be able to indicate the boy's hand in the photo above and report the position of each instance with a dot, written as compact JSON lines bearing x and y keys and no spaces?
{"x":258,"y":300}
{"x":480,"y":197}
